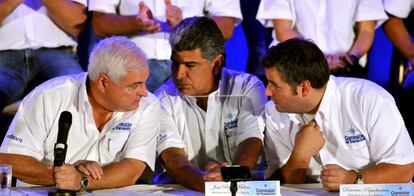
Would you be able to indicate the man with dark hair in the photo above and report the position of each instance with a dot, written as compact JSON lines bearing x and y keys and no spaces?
{"x":148,"y":24}
{"x":211,"y":116}
{"x":330,"y":129}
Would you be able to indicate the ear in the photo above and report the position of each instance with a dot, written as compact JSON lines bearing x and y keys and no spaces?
{"x":103,"y":82}
{"x":218,"y":63}
{"x":304,"y":88}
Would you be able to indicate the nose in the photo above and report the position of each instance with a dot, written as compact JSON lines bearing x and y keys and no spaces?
{"x":142,"y":91}
{"x":180,"y":71}
{"x":268,"y":92}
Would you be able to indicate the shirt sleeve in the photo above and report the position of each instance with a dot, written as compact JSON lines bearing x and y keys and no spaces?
{"x":142,"y":141}
{"x":398,"y":8}
{"x":277,"y":145}
{"x":389,"y":139}
{"x":83,"y":2}
{"x":251,"y":122}
{"x":28,"y":131}
{"x":370,"y":10}
{"x":104,"y":6}
{"x":275,"y":9}
{"x":169,"y":136}
{"x":229,"y":8}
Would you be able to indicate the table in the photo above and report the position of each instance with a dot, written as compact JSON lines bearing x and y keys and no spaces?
{"x":175,"y":189}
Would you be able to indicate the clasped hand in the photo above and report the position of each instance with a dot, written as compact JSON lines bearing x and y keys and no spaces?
{"x":67,"y":176}
{"x":213,"y":172}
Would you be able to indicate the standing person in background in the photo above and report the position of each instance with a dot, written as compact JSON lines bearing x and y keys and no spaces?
{"x":211,"y":116}
{"x":344,"y":30}
{"x":148,"y":24}
{"x":37,"y":40}
{"x":335,"y":130}
{"x":114,"y":128}
{"x":257,"y":36}
{"x":394,"y":27}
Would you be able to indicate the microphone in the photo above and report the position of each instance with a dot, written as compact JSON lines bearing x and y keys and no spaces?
{"x":65,"y":121}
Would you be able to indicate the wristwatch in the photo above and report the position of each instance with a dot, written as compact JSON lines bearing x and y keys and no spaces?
{"x":359,"y":178}
{"x":84,"y":182}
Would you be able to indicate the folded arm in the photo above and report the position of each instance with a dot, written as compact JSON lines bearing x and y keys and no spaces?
{"x":28,"y":169}
{"x":226,"y":25}
{"x":120,"y":174}
{"x":284,"y":31}
{"x":365,"y":31}
{"x":399,"y":36}
{"x":181,"y":169}
{"x":7,"y":7}
{"x":248,"y":152}
{"x":308,"y":142}
{"x":68,"y":15}
{"x":333,"y":175}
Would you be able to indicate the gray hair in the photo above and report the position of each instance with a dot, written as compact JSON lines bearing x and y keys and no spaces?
{"x":115,"y":56}
{"x":198,"y":33}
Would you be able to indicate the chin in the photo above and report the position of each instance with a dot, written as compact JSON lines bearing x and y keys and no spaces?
{"x":279,"y":109}
{"x":131,"y":107}
{"x":185,"y":91}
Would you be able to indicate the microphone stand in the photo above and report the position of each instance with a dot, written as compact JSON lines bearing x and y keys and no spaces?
{"x":61,"y":192}
{"x":233,"y":187}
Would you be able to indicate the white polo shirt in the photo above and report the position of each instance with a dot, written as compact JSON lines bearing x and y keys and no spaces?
{"x":399,"y":8}
{"x":361,"y":124}
{"x":30,"y":27}
{"x":234,"y":113}
{"x":156,"y":45}
{"x":34,"y":129}
{"x":329,"y":23}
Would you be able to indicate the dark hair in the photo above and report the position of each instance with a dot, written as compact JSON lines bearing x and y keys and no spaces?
{"x":298,"y":60}
{"x":198,"y":33}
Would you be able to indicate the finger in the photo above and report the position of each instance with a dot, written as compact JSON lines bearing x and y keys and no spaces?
{"x":79,"y":162}
{"x":149,"y":14}
{"x":154,"y":28}
{"x":99,"y":170}
{"x":313,"y":123}
{"x":142,"y":7}
{"x":211,"y":165}
{"x":331,"y":179}
{"x":331,"y":187}
{"x":224,"y":164}
{"x":84,"y":170}
{"x":96,"y":170}
{"x":213,"y":176}
{"x":330,"y":166}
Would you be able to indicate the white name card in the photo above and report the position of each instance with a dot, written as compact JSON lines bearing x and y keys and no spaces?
{"x":269,"y":188}
{"x":375,"y":189}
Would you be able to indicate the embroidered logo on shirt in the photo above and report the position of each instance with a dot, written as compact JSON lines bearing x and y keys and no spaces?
{"x":353,"y":136}
{"x":123,"y":126}
{"x":12,"y":137}
{"x":161,"y":137}
{"x":230,"y":121}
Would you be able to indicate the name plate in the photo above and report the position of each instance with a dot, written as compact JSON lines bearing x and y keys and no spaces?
{"x":270,"y":188}
{"x":375,"y":189}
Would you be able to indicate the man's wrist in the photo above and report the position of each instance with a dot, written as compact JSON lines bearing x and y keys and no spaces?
{"x":359,"y":179}
{"x":354,"y":58}
{"x":83,"y":182}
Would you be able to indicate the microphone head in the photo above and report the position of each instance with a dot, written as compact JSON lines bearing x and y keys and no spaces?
{"x":65,"y":121}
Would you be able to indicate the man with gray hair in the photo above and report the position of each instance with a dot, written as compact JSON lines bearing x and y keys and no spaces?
{"x":114,"y":127}
{"x":211,"y":116}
